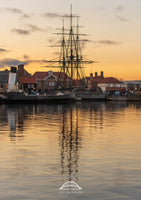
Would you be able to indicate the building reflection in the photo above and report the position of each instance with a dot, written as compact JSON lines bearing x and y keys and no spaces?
{"x":42,"y":126}
{"x":12,"y":118}
{"x":19,"y":115}
{"x":16,"y":117}
{"x":70,"y":143}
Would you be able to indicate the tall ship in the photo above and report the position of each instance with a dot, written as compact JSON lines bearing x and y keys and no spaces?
{"x":71,"y":83}
{"x":71,"y":62}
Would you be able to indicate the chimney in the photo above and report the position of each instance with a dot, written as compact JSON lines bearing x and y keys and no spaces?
{"x":12,"y":79}
{"x":102,"y":76}
{"x":95,"y":74}
{"x":20,"y":70}
{"x":91,"y":76}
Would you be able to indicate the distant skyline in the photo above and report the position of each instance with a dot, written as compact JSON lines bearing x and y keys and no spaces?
{"x":114,"y":29}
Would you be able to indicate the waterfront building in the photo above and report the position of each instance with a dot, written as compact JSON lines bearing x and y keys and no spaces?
{"x":48,"y":81}
{"x":104,"y":83}
{"x":28,"y":84}
{"x":134,"y":86}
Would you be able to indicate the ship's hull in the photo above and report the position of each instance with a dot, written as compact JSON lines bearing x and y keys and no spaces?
{"x":124,"y":98}
{"x":116,"y":98}
{"x":14,"y":97}
{"x":89,"y":95}
{"x":134,"y":98}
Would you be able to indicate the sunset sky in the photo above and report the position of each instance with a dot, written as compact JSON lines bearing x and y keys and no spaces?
{"x":114,"y":29}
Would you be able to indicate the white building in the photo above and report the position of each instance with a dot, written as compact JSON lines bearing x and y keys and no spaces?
{"x":109,"y":82}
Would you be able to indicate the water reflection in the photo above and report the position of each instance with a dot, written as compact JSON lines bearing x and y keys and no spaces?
{"x":12,"y":122}
{"x":96,"y":144}
{"x":17,"y":115}
{"x":74,"y":121}
{"x":70,"y":143}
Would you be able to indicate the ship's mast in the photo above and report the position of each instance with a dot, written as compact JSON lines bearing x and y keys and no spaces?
{"x":70,"y":61}
{"x":64,"y":60}
{"x":77,"y":51}
{"x":71,"y":57}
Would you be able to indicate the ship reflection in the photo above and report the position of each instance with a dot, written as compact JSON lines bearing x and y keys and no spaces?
{"x":70,"y":143}
{"x":12,"y":116}
{"x":16,"y":117}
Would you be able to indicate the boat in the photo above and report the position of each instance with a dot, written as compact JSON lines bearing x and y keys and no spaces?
{"x":128,"y":97}
{"x":134,"y":97}
{"x":14,"y":97}
{"x":71,"y":63}
{"x":88,"y":95}
{"x":116,"y":97}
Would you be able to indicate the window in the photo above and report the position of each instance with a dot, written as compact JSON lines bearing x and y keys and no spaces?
{"x":46,"y":84}
{"x":51,"y":84}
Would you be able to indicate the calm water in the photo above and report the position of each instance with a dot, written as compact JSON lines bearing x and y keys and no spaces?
{"x":97,"y":145}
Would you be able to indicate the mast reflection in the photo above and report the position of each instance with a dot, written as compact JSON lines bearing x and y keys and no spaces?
{"x":70,"y":143}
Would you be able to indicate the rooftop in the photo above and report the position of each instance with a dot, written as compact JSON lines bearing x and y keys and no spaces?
{"x":43,"y":75}
{"x":28,"y":80}
{"x":103,"y":80}
{"x":109,"y":80}
{"x":40,"y":75}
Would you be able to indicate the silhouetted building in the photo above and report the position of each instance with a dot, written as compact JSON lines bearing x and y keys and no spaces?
{"x":4,"y":80}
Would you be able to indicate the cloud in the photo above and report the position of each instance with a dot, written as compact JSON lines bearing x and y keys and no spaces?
{"x":54,"y":42}
{"x":25,"y":16}
{"x":120,"y":8}
{"x":11,"y":62}
{"x":55,"y":15}
{"x":3,"y":50}
{"x":21,"y":31}
{"x":29,"y":28}
{"x":15,"y":11}
{"x":52,"y":15}
{"x":51,"y":40}
{"x":8,"y":62}
{"x":122,"y":19}
{"x":106,"y":42}
{"x":12,"y":10}
{"x":26,"y":57}
{"x":33,"y":28}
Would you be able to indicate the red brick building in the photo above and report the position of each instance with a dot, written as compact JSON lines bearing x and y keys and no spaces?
{"x":47,"y":81}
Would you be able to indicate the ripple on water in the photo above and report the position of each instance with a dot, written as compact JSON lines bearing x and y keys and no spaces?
{"x":96,"y":144}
